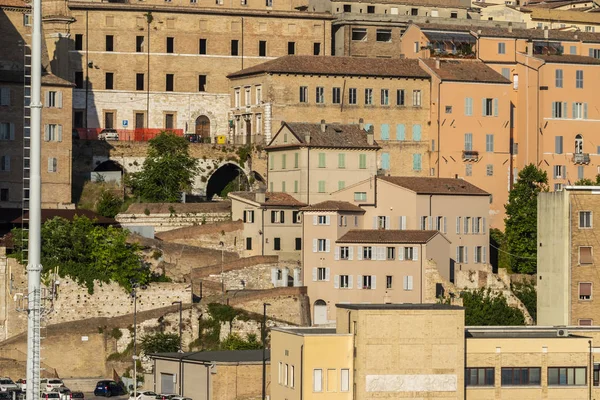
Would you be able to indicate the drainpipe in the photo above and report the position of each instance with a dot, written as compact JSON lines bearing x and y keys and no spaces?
{"x":242,"y":43}
{"x":301,"y":372}
{"x":86,"y":70}
{"x":262,"y":247}
{"x":308,"y":176}
{"x":421,"y":260}
{"x":148,"y":19}
{"x":439,"y":136}
{"x":591,"y":380}
{"x":207,"y":381}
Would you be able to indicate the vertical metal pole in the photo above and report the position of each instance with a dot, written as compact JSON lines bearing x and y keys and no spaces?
{"x":222,"y":278}
{"x":134,"y":343}
{"x":34,"y":267}
{"x":180,"y":321}
{"x":263,"y":335}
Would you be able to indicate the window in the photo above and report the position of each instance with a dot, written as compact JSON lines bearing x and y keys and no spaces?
{"x":490,"y":107}
{"x":410,"y":253}
{"x":295,"y":186}
{"x":362,"y":161}
{"x":478,"y":259}
{"x":202,"y":46}
{"x":416,"y":162}
{"x":589,"y":322}
{"x":400,"y":97}
{"x":359,"y":34}
{"x":336,"y":96}
{"x":416,"y":98}
{"x":341,"y":160}
{"x":341,"y":185}
{"x":276,"y":244}
{"x":4,"y":163}
{"x":345,"y":380}
{"x":234,"y":47}
{"x":303,"y":94}
{"x":479,"y":377}
{"x":322,"y":245}
{"x":296,"y":217}
{"x":169,"y":121}
{"x":322,"y":158}
{"x":368,"y":97}
{"x":580,"y":110}
{"x":169,"y":78}
{"x":585,"y":255}
{"x":407,"y":283}
{"x":269,"y":3}
{"x":469,"y":169}
{"x":344,"y":253}
{"x":367,"y":253}
{"x":262,"y":48}
{"x":52,"y":133}
{"x":316,"y":49}
{"x":79,"y":79}
{"x":291,"y":48}
{"x":201,"y":83}
{"x":585,"y":219}
{"x":390,"y":253}
{"x":501,"y":48}
{"x":384,"y":35}
{"x":521,"y":376}
{"x":416,"y":132}
{"x":368,"y":282}
{"x":448,"y":109}
{"x":320,"y":95}
{"x":78,"y":41}
{"x":52,"y":164}
{"x":461,"y":254}
{"x":109,"y":81}
{"x":558,"y":78}
{"x":139,"y":44}
{"x":4,"y":96}
{"x":559,"y":171}
{"x":317,"y":380}
{"x":489,"y":170}
{"x":322,"y":220}
{"x":389,"y":280}
{"x":385,"y":161}
{"x":585,"y":291}
{"x":139,"y":81}
{"x":277,"y":217}
{"x":558,"y":144}
{"x":345,"y":282}
{"x":3,"y":194}
{"x":291,"y":380}
{"x":559,"y":109}
{"x":489,"y":143}
{"x":322,"y":274}
{"x":109,"y":43}
{"x":579,"y":79}
{"x":385,"y":97}
{"x":381,"y":222}
{"x":352,"y":96}
{"x":298,"y":244}
{"x":360,"y":196}
{"x":506,"y":73}
{"x":568,"y":376}
{"x":469,"y":106}
{"x":370,"y":9}
{"x":249,"y":216}
{"x":237,"y":97}
{"x":414,"y":11}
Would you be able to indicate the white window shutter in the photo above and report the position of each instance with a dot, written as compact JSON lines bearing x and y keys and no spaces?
{"x":46,"y":132}
{"x":359,"y":281}
{"x":415,"y":253}
{"x":457,"y":254}
{"x":47,"y":98}
{"x":327,"y":220}
{"x":336,"y":281}
{"x":11,"y":134}
{"x":457,"y":224}
{"x":430,"y":222}
{"x":405,"y":283}
{"x":483,"y":225}
{"x":359,"y":255}
{"x":475,"y":260}
{"x":327,"y":245}
{"x":382,"y":254}
{"x":466,"y":255}
{"x":484,"y":252}
{"x":373,"y":282}
{"x":474,"y":224}
{"x":350,"y":279}
{"x":327,"y":272}
{"x":315,"y":220}
{"x":350,"y":252}
{"x":337,"y":253}
{"x":314,"y":274}
{"x":403,"y":222}
{"x":59,"y":99}
{"x":388,"y":222}
{"x":59,"y":129}
{"x":375,"y":223}
{"x":315,"y":245}
{"x":410,"y":282}
{"x":274,"y":276}
{"x":50,"y":164}
{"x":401,"y":253}
{"x":466,"y":225}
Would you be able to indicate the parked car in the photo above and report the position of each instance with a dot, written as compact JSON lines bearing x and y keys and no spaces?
{"x":7,"y":385}
{"x":46,"y":385}
{"x":143,"y":395}
{"x":180,"y":398}
{"x":108,"y":388}
{"x":22,"y":384}
{"x":50,"y":396}
{"x":108,"y":134}
{"x":77,"y":395}
{"x":6,"y":396}
{"x":64,"y":392}
{"x":165,"y":396}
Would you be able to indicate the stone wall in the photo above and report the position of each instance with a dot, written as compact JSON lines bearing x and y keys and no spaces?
{"x":209,"y":236}
{"x":288,"y":304}
{"x":242,"y":263}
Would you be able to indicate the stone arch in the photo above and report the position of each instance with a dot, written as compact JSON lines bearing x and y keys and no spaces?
{"x":224,"y":180}
{"x":212,"y":118}
{"x":108,"y":171}
{"x":320,"y":312}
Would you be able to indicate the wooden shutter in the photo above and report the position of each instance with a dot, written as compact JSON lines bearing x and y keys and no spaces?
{"x":401,"y":253}
{"x":585,"y":289}
{"x":445,"y":226}
{"x":466,"y":255}
{"x":359,"y":281}
{"x":314,"y":274}
{"x":337,"y":253}
{"x":315,"y":245}
{"x":327,"y":272}
{"x":373,"y":282}
{"x":375,"y":222}
{"x":46,"y":132}
{"x":484,"y":255}
{"x":336,"y":281}
{"x":415,"y":253}
{"x":457,"y":224}
{"x":350,"y":252}
{"x":327,"y":220}
{"x":359,"y":256}
{"x":274,"y":276}
{"x":403,"y":222}
{"x":388,"y":222}
{"x":350,"y":279}
{"x":59,"y":99}
{"x":495,"y":107}
{"x":281,"y":217}
{"x":315,"y":220}
{"x":327,"y":245}
{"x":410,"y":282}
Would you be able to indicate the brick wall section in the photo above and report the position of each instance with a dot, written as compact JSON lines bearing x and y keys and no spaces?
{"x":239,"y":382}
{"x":199,"y":273}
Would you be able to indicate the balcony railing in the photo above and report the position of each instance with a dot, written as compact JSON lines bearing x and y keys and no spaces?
{"x":581,"y":158}
{"x":133,"y":135}
{"x":470,"y":155}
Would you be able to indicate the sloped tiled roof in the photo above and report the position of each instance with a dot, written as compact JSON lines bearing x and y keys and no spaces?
{"x":568,"y":59}
{"x":386,"y":236}
{"x":335,"y":136}
{"x":332,"y":205}
{"x":272,"y":198}
{"x":438,"y":186}
{"x":438,"y":3}
{"x":465,"y":71}
{"x":538,"y":34}
{"x":330,"y":65}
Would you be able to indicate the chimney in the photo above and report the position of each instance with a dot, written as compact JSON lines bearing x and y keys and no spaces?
{"x":576,"y":37}
{"x":545,"y":32}
{"x":479,"y":31}
{"x":437,"y":63}
{"x":323,"y":126}
{"x":307,"y":138}
{"x":361,"y":124}
{"x":260,"y":197}
{"x":370,"y":135}
{"x":510,"y":27}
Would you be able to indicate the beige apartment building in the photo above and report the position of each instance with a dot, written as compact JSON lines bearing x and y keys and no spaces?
{"x":392,"y":96}
{"x":454,"y":207}
{"x":14,"y":126}
{"x":272,"y":225}
{"x":446,"y":360}
{"x":309,"y":161}
{"x":567,"y":239}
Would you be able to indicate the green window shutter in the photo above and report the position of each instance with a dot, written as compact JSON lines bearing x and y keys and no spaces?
{"x":400,"y":132}
{"x":341,"y":160}
{"x":321,"y":186}
{"x":271,"y":161}
{"x":416,"y":133}
{"x":283,"y":160}
{"x":362,"y":161}
{"x":321,"y":160}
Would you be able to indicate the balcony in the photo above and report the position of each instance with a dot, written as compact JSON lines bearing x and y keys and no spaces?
{"x":470,"y":155}
{"x":581,"y":158}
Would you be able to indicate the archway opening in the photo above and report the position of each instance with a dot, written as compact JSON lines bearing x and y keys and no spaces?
{"x":108,"y":171}
{"x":227,"y":178}
{"x":202,"y":127}
{"x":320,"y":312}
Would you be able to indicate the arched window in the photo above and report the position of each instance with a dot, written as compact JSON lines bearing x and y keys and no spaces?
{"x":578,"y":144}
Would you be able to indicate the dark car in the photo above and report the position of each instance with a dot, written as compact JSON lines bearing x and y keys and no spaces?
{"x":5,"y":396}
{"x":77,"y":395}
{"x":108,"y":388}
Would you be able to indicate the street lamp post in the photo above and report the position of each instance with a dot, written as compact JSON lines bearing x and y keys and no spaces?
{"x":135,"y":358}
{"x":222,"y":277}
{"x":264,"y":351}
{"x":180,"y":314}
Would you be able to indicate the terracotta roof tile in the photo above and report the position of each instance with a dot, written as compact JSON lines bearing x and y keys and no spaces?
{"x":439,"y":186}
{"x":330,"y":65}
{"x":332,"y":205}
{"x":386,"y":236}
{"x":272,"y":199}
{"x":538,"y":34}
{"x":438,"y":3}
{"x":465,"y":71}
{"x":568,"y":59}
{"x":335,"y":136}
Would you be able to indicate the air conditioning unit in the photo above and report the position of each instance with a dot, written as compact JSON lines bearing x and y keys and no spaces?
{"x":562,"y":333}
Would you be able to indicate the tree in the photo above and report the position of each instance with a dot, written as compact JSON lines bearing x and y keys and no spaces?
{"x":87,"y":253}
{"x":588,"y":182}
{"x":521,"y":219}
{"x":167,"y":171}
{"x":109,"y":205}
{"x":236,"y":342}
{"x":526,"y":292}
{"x":160,"y":343}
{"x":484,"y":308}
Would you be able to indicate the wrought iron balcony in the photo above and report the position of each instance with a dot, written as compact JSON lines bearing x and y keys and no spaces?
{"x":581,"y":158}
{"x":470,"y":155}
